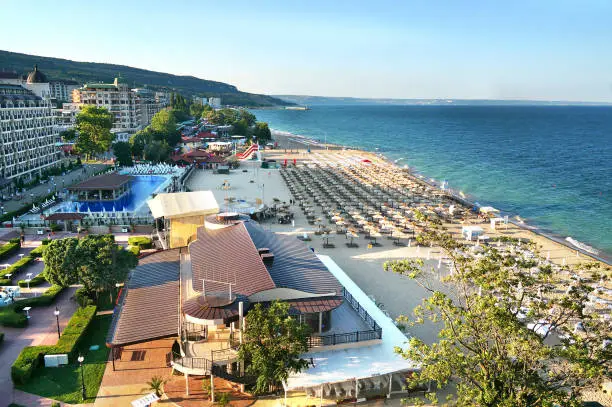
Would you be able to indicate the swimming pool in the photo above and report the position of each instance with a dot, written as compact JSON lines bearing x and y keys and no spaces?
{"x":141,"y":187}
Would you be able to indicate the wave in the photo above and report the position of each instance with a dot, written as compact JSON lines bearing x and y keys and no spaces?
{"x":582,"y":246}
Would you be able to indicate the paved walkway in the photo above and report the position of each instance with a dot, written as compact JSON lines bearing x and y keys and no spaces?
{"x":41,"y":330}
{"x":75,"y":176}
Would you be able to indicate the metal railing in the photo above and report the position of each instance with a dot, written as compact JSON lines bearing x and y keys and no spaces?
{"x":339,"y":339}
{"x":194,"y":363}
{"x":349,"y":337}
{"x":361,"y":311}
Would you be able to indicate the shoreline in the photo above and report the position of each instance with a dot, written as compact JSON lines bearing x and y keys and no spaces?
{"x":309,"y":142}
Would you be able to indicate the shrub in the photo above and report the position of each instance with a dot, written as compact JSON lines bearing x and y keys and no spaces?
{"x":36,"y":281}
{"x":1,"y":337}
{"x":32,"y":357}
{"x":142,"y":242}
{"x":55,"y":228}
{"x":39,"y":251}
{"x":47,"y":298}
{"x":9,"y":248}
{"x":17,"y":266}
{"x":82,"y":297}
{"x":134,"y":249}
{"x":5,"y":281}
{"x":45,"y":241}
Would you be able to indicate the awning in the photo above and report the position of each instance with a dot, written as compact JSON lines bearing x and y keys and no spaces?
{"x":182,"y":204}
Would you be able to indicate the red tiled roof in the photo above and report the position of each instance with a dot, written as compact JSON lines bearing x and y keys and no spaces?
{"x":228,"y":255}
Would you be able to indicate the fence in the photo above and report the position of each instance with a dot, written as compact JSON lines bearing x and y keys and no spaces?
{"x":349,"y":337}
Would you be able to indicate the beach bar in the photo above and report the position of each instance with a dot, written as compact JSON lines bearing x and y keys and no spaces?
{"x":106,"y":187}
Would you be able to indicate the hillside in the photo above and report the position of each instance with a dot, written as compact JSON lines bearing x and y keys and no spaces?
{"x":82,"y":72}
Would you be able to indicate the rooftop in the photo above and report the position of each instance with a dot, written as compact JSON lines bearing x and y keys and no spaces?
{"x":148,"y":306}
{"x":105,"y":181}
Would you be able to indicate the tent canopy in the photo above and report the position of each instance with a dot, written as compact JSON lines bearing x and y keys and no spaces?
{"x":180,"y":204}
{"x":488,"y":209}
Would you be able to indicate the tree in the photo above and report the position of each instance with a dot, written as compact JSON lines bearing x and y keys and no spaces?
{"x":272,"y":345}
{"x":241,"y":127}
{"x":93,"y":125}
{"x":62,"y":261}
{"x":248,"y":117}
{"x":138,"y":142}
{"x":262,"y":132}
{"x":157,"y":151}
{"x":195,"y":110}
{"x":103,"y":263}
{"x":68,"y":135}
{"x":123,"y":152}
{"x":156,"y":385}
{"x":163,"y":122}
{"x":509,"y":336}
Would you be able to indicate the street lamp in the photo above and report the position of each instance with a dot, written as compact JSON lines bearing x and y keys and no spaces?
{"x":81,"y":359}
{"x":32,"y":197}
{"x":56,"y":312}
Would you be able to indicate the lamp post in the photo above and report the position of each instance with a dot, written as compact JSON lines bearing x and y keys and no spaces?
{"x":56,"y":312}
{"x":32,"y":197}
{"x":81,"y":359}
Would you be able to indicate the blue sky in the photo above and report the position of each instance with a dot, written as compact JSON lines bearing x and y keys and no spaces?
{"x":526,"y":49}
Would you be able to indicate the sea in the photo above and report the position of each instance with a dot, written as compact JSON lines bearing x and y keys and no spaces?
{"x":550,"y":165}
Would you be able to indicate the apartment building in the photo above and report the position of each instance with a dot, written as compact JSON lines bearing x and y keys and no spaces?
{"x":117,"y":98}
{"x":61,"y":91}
{"x":28,"y":135}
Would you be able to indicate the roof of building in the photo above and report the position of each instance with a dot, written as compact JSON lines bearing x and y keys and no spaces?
{"x":295,"y":266}
{"x":36,"y":76}
{"x":148,"y":306}
{"x":9,"y":75}
{"x":65,"y":216}
{"x":182,"y":204}
{"x":229,"y":255}
{"x":104,"y":181}
{"x":99,"y":86}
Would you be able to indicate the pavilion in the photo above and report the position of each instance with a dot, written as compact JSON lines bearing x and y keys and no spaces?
{"x":106,"y":187}
{"x":201,"y":295}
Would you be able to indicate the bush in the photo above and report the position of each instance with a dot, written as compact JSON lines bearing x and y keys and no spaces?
{"x":39,"y":251}
{"x":47,"y":298}
{"x":9,"y":248}
{"x":142,"y":242}
{"x":45,"y":241}
{"x":36,"y":281}
{"x":17,"y":266}
{"x":82,"y":297}
{"x":32,"y":357}
{"x":134,"y":249}
{"x":1,"y":337}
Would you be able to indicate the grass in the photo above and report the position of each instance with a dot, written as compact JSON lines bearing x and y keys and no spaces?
{"x":64,"y":383}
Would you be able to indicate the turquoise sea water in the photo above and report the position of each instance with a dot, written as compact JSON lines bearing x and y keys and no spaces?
{"x":552,"y":165}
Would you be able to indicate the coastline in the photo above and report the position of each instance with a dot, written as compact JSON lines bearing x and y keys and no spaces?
{"x":413,"y":173}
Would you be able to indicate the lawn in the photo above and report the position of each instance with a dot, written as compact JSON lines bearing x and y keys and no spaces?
{"x":64,"y":383}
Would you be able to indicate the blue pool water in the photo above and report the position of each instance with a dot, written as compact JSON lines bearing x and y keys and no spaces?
{"x":549,"y":164}
{"x":141,"y":187}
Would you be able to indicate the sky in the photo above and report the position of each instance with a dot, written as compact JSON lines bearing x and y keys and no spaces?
{"x":488,"y":49}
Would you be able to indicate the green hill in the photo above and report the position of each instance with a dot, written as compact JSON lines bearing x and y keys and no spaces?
{"x":56,"y":68}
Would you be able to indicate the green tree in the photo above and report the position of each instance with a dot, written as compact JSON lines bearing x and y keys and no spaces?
{"x":103,"y":263}
{"x":157,"y":151}
{"x":262,"y":132}
{"x":123,"y":152}
{"x":507,"y":334}
{"x":93,"y":125}
{"x":272,"y":345}
{"x":62,"y":261}
{"x":68,"y":135}
{"x":248,"y":117}
{"x":195,"y":110}
{"x":156,"y":385}
{"x":138,"y":142}
{"x":163,"y":122}
{"x":240,"y":127}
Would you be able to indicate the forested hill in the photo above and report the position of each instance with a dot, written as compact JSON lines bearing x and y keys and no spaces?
{"x":56,"y":68}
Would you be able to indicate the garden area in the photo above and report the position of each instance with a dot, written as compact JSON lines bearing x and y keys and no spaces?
{"x":64,"y":383}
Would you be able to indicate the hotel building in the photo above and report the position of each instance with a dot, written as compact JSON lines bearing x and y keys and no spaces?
{"x":28,"y":135}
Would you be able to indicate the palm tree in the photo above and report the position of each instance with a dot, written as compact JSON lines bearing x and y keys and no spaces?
{"x":155,"y":384}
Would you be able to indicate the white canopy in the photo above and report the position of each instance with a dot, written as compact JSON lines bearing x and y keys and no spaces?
{"x":180,"y":204}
